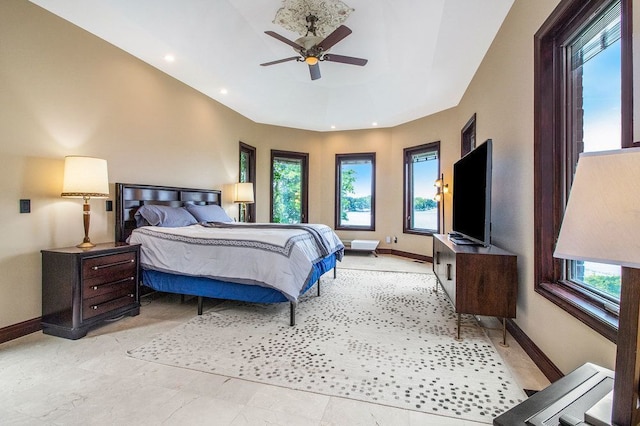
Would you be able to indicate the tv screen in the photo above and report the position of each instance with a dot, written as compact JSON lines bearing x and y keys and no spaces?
{"x":472,"y":197}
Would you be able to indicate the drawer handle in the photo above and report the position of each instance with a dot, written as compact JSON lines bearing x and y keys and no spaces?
{"x":96,"y":307}
{"x":124,"y":280}
{"x":109,"y":265}
{"x":437,"y":258}
{"x":448,"y":271}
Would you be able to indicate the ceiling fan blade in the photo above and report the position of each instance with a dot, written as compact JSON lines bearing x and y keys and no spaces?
{"x":315,"y":71}
{"x":279,"y":61}
{"x":345,"y":59}
{"x":284,"y":40}
{"x":333,"y":38}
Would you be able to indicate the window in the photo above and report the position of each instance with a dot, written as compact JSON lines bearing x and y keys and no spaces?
{"x":355,"y":191}
{"x":289,"y":177}
{"x":421,"y":170}
{"x":247,"y":173}
{"x":468,"y":136}
{"x":579,"y":104}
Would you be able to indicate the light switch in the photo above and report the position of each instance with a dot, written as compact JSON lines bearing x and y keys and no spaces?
{"x":25,"y":206}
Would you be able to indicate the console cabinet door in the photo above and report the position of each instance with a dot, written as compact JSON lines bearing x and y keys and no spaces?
{"x":444,"y":264}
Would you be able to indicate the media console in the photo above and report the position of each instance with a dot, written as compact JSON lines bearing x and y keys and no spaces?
{"x":478,"y":280}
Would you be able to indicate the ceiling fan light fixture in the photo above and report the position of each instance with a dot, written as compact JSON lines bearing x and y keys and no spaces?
{"x":311,"y":60}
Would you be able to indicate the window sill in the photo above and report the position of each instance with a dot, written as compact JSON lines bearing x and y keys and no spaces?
{"x":354,"y":228}
{"x":428,"y":233}
{"x":581,"y":308}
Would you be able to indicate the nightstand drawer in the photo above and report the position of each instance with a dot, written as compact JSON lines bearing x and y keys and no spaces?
{"x":95,"y":287}
{"x":109,"y":267}
{"x":107,"y":302}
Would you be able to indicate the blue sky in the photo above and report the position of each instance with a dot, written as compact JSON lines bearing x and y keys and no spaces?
{"x":601,"y":100}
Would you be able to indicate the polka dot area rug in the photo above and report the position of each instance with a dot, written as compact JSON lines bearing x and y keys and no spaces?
{"x":380,"y":337}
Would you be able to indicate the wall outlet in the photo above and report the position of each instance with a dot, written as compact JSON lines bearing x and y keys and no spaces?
{"x":388,"y":240}
{"x":395,"y":239}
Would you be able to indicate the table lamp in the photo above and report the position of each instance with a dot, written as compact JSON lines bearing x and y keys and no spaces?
{"x":602,"y":224}
{"x":243,"y":194}
{"x":85,"y":177}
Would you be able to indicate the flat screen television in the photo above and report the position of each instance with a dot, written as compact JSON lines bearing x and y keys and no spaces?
{"x":472,"y":197}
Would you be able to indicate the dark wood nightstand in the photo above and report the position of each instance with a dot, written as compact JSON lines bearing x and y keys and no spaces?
{"x":82,"y":288}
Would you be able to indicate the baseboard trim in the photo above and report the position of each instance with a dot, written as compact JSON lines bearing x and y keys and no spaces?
{"x":20,"y":329}
{"x":545,"y":365}
{"x":405,"y":254}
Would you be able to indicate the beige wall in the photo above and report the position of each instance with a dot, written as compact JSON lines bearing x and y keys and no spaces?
{"x":63,"y":92}
{"x":501,"y":94}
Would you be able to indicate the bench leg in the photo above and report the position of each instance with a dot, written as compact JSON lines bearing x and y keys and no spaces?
{"x":200,"y":305}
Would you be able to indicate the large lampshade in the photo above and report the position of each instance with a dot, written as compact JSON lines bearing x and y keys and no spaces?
{"x":243,"y":192}
{"x":85,"y":177}
{"x":602,"y":218}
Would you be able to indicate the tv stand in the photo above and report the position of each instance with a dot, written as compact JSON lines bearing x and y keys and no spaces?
{"x":478,"y":280}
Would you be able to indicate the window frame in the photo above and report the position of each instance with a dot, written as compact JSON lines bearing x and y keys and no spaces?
{"x":408,"y":194}
{"x":468,"y":136}
{"x":550,"y":152}
{"x":370,"y":156}
{"x":250,"y":151}
{"x":303,"y":157}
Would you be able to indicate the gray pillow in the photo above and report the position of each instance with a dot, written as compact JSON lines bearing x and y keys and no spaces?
{"x":208,"y":213}
{"x":166,"y":216}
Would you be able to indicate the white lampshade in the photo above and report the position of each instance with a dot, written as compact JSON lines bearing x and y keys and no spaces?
{"x":602,"y":219}
{"x":85,"y":177}
{"x":243,"y":192}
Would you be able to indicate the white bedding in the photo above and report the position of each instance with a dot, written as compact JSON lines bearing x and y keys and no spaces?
{"x":260,"y":254}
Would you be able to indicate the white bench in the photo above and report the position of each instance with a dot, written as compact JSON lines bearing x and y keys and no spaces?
{"x":365,"y":245}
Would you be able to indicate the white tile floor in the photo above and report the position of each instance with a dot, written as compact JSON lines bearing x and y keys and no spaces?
{"x":46,"y":380}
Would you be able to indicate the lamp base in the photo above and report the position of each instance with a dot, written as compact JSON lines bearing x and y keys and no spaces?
{"x":86,"y":245}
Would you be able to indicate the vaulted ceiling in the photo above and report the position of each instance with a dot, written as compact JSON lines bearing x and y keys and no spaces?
{"x":421,"y":54}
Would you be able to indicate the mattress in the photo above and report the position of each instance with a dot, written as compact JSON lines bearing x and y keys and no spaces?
{"x":273,"y":256}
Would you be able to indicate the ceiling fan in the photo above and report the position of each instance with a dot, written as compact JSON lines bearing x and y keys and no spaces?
{"x":313,"y":49}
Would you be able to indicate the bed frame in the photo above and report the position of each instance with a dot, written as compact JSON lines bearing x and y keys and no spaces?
{"x":130,"y":197}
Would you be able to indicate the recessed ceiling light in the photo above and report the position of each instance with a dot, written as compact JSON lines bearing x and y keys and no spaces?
{"x":375,"y":123}
{"x":169,"y":57}
{"x":333,"y":127}
{"x":224,"y":91}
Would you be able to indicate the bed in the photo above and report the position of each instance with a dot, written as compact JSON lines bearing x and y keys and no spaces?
{"x":259,"y":263}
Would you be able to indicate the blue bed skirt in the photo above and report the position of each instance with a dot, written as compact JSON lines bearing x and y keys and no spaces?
{"x":207,"y":287}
